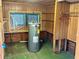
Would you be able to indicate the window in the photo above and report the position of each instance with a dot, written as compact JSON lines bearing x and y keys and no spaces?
{"x":33,"y":18}
{"x":20,"y":21}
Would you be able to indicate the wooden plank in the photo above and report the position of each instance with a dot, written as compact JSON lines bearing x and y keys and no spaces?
{"x":0,"y":2}
{"x":54,"y":31}
{"x":73,"y":22}
{"x":49,"y":26}
{"x":77,"y":42}
{"x":1,"y":32}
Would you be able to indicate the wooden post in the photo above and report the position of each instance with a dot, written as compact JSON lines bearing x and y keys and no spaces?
{"x":77,"y":42}
{"x":59,"y":45}
{"x":54,"y":32}
{"x":1,"y":32}
{"x":65,"y":47}
{"x":60,"y":33}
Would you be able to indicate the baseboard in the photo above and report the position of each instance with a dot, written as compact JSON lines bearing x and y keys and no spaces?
{"x":71,"y":46}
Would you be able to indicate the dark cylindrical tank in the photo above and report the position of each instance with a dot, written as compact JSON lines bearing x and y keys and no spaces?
{"x":33,"y":42}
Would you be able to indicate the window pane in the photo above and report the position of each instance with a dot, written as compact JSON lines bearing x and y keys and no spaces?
{"x":33,"y":18}
{"x":18,"y":19}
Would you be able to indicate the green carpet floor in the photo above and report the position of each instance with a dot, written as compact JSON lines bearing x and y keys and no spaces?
{"x":19,"y":51}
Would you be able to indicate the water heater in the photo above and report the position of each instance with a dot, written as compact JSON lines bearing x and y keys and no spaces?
{"x":33,"y":42}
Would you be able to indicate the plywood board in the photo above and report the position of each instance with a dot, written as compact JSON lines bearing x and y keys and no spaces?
{"x":62,"y":20}
{"x":77,"y":42}
{"x":72,"y":28}
{"x":73,"y":21}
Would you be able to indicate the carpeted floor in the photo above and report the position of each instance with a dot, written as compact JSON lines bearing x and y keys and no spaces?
{"x":20,"y":51}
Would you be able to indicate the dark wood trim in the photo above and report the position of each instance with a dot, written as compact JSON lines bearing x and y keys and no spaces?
{"x":74,"y":2}
{"x":48,"y":20}
{"x":47,"y":13}
{"x":71,"y":46}
{"x":64,"y":2}
{"x":71,"y":41}
{"x":72,"y":14}
{"x":15,"y":33}
{"x":69,"y":2}
{"x":16,"y":37}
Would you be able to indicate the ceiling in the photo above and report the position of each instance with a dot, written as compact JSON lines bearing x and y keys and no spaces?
{"x":31,"y":0}
{"x":36,"y":1}
{"x":41,"y":2}
{"x":72,"y":0}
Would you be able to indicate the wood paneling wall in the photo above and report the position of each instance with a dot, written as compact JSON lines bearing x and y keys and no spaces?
{"x":77,"y":42}
{"x":67,"y":21}
{"x":49,"y":18}
{"x":16,"y":37}
{"x":74,"y":29}
{"x":20,"y":7}
{"x":73,"y":21}
{"x":49,"y":22}
{"x":62,"y":20}
{"x":74,"y":7}
{"x":46,"y":13}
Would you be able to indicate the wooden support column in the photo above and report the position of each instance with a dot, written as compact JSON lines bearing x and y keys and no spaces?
{"x":65,"y":47}
{"x":54,"y":32}
{"x":1,"y":32}
{"x":59,"y":45}
{"x":77,"y":42}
